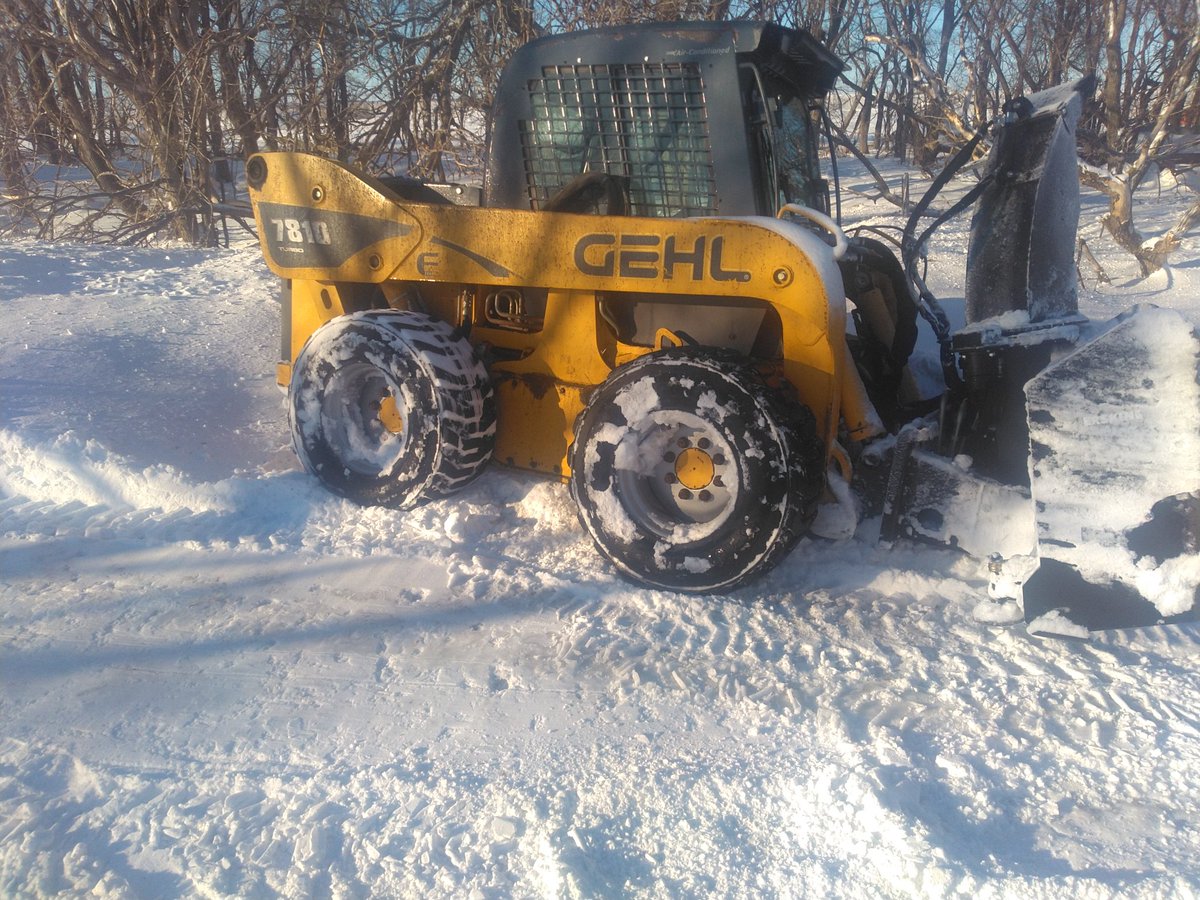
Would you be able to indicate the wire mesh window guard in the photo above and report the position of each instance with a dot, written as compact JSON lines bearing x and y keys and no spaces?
{"x":646,"y":122}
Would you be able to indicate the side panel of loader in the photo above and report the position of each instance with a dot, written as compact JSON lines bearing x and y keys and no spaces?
{"x":327,"y":229}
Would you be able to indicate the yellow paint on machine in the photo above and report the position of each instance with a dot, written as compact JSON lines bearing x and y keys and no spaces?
{"x":346,"y":242}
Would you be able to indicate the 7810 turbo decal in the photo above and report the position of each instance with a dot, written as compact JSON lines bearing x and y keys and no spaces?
{"x":301,"y":231}
{"x":297,"y":237}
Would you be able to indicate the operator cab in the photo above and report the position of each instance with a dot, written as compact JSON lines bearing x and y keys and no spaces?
{"x":664,"y":120}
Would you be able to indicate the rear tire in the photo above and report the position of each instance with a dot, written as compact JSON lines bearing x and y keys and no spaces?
{"x":391,"y":408}
{"x":691,"y":474}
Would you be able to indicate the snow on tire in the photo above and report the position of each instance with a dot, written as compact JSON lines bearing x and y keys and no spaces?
{"x":391,"y":408}
{"x":691,"y":474}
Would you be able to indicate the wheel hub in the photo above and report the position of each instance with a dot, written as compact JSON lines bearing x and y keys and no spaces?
{"x":678,"y":475}
{"x":389,"y":415}
{"x":694,"y":468}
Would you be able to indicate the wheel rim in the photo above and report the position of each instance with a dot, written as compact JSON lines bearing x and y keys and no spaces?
{"x":364,"y":419}
{"x":676,"y":476}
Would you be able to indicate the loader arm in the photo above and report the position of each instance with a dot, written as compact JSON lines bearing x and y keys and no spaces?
{"x":323,"y":224}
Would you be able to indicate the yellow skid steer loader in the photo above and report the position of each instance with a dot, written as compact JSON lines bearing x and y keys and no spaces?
{"x":649,"y":299}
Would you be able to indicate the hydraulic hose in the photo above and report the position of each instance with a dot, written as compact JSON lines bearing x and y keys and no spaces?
{"x":910,"y":250}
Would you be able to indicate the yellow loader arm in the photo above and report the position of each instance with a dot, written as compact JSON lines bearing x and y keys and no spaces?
{"x":329,"y":229}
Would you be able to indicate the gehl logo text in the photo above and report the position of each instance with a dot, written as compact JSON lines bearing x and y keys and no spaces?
{"x":654,"y":256}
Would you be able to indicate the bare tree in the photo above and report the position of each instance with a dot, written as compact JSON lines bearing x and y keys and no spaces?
{"x":147,"y":95}
{"x":1168,"y":68}
{"x":1146,"y":51}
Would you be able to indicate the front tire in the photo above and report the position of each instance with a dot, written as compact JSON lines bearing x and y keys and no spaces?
{"x":391,"y":408}
{"x":691,"y":474}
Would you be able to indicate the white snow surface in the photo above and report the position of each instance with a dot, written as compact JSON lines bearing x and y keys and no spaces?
{"x":218,"y":680}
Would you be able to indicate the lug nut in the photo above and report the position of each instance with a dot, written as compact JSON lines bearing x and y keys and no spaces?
{"x":705,"y":496}
{"x":669,"y":456}
{"x":682,"y":443}
{"x":670,"y":478}
{"x":718,"y":460}
{"x":718,"y":481}
{"x":685,"y":494}
{"x":704,"y":443}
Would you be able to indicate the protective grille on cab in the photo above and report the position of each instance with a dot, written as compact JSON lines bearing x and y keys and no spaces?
{"x":646,"y":122}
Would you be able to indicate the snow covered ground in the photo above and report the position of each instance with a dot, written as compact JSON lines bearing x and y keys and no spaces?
{"x":218,"y":680}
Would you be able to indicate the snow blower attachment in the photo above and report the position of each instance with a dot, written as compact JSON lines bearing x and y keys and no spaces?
{"x":648,"y":299}
{"x":1083,"y":441}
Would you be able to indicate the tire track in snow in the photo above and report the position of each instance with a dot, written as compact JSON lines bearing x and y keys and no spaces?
{"x":867,"y":658}
{"x":883,"y":674}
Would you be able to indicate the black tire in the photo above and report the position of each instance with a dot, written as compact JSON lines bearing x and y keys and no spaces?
{"x":752,"y":470}
{"x":433,"y":436}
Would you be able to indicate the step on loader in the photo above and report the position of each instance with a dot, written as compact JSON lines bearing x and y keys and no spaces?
{"x":649,"y":298}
